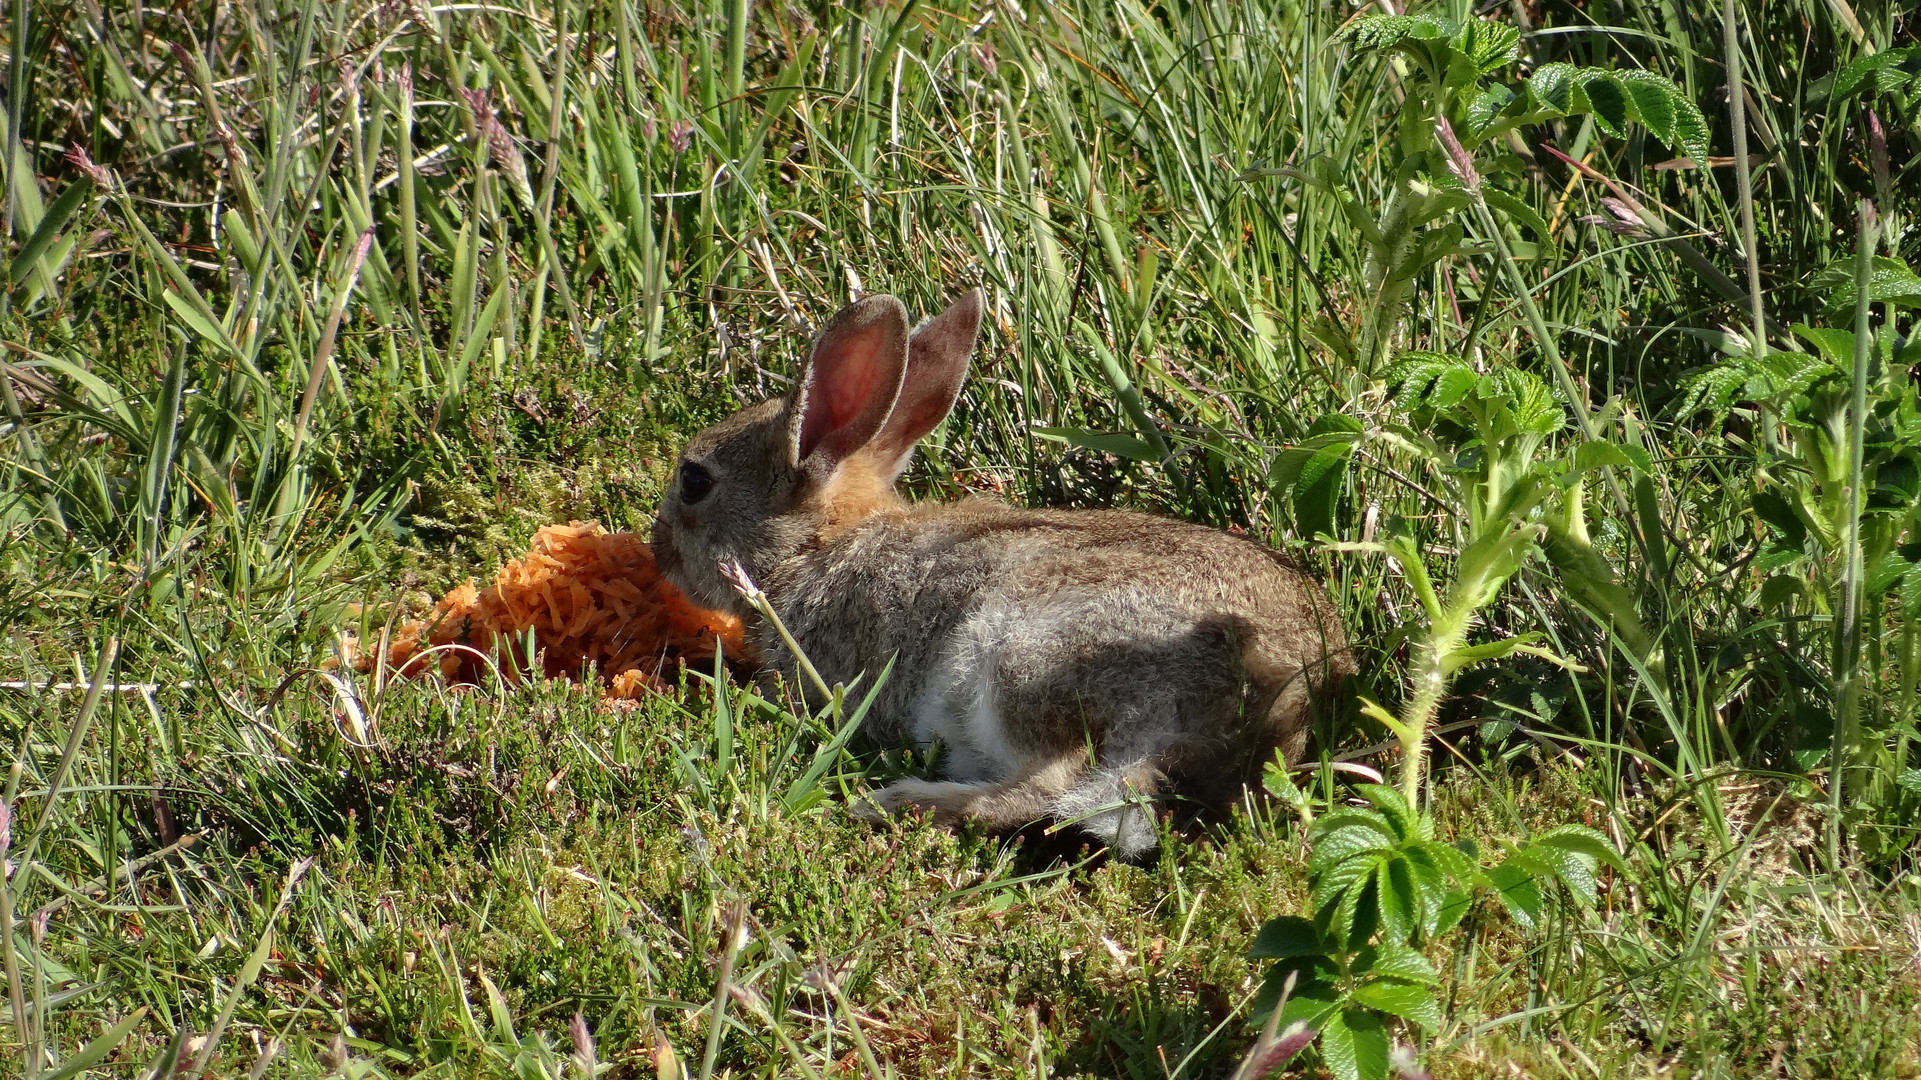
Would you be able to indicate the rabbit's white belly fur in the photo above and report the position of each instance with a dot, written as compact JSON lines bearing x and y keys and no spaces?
{"x":958,"y":707}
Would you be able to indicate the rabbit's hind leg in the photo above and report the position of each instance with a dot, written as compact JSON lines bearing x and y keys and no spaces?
{"x":1009,"y":804}
{"x":1115,"y":805}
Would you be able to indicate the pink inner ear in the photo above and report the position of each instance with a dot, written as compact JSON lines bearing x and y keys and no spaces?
{"x":853,"y":382}
{"x":851,"y":386}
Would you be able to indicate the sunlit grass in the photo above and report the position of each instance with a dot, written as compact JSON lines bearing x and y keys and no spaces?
{"x":316,"y":307}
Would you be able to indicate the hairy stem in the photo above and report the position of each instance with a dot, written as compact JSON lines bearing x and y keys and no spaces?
{"x":1847,"y":638}
{"x":1429,"y":684}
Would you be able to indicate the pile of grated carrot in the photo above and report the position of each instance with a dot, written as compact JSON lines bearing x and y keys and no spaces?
{"x":595,"y":603}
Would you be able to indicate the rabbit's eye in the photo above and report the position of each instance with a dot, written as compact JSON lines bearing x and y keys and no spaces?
{"x":695,"y":482}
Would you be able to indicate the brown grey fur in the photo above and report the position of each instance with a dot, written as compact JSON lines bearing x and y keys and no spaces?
{"x":1070,"y":663}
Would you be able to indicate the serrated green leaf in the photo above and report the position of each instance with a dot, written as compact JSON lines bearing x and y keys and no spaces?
{"x":1856,"y":75}
{"x":1606,"y":99}
{"x":1771,"y":508}
{"x":1527,"y":398}
{"x":1414,"y":372}
{"x":1354,"y":1045}
{"x":1452,"y":387}
{"x":1665,"y":111}
{"x":1780,"y":590}
{"x":1415,"y":1004}
{"x":1554,"y":87}
{"x":1781,"y":375}
{"x":1452,"y":861}
{"x":1358,"y":914}
{"x":1573,"y":869}
{"x":1461,"y":73}
{"x":1530,"y":861}
{"x":1403,"y":963}
{"x":1317,"y":490}
{"x":1390,"y":31}
{"x":1887,"y":572}
{"x":1518,"y":892}
{"x":1369,"y":828}
{"x":1401,"y":912}
{"x":1580,"y":838}
{"x":1393,"y":806}
{"x":1286,"y":936}
{"x":1491,"y":46}
{"x":1431,"y":880}
{"x":1429,"y":876}
{"x":1614,"y":98}
{"x":1282,"y":786}
{"x":1911,"y":593}
{"x":1600,"y":454}
{"x":1651,"y":99}
{"x":1313,"y":999}
{"x":1890,"y":281}
{"x":1453,"y":908}
{"x":1334,"y":423}
{"x":1482,"y":111}
{"x":1337,"y":881}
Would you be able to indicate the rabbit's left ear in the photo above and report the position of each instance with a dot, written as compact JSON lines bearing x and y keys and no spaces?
{"x":937,"y":358}
{"x":850,"y":386}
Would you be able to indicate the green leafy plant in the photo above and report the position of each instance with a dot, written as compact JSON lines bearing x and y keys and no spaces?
{"x":1841,"y":501}
{"x":1384,"y":889}
{"x":1481,"y":435}
{"x":1450,"y":72}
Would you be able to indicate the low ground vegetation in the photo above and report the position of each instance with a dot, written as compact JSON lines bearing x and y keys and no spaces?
{"x":1608,"y":447}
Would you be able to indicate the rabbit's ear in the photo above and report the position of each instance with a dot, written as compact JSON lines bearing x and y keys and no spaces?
{"x":850,"y":384}
{"x":937,"y":357}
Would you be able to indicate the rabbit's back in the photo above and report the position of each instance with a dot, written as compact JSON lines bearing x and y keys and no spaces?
{"x":1021,"y":636}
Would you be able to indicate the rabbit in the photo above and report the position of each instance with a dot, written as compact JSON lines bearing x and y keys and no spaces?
{"x":1070,"y":664}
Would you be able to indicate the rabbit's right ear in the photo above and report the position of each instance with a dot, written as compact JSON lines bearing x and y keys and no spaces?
{"x":850,"y":385}
{"x":937,"y":358}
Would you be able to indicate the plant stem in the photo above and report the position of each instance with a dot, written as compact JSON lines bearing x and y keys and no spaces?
{"x":16,"y":98}
{"x":1463,"y":167}
{"x":1744,"y":184}
{"x":734,"y":925}
{"x":736,"y":60}
{"x":324,"y":352}
{"x":550,"y":173}
{"x":1847,"y":645}
{"x":1429,"y":678}
{"x":1386,"y":247}
{"x":409,"y":222}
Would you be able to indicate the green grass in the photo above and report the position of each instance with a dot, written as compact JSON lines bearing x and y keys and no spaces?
{"x":1169,"y":208}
